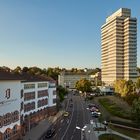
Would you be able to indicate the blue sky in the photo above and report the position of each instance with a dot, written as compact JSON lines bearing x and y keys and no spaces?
{"x":50,"y":33}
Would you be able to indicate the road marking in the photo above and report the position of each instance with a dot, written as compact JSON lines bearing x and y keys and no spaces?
{"x":68,"y":125}
{"x":55,"y":135}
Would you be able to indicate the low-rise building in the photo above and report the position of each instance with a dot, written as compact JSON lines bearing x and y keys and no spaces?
{"x":69,"y":79}
{"x":10,"y":87}
{"x":106,"y":90}
{"x":24,"y":101}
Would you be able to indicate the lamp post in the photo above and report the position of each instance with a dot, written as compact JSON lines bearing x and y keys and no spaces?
{"x":82,"y":130}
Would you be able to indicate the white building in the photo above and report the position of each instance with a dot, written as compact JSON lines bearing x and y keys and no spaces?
{"x":119,"y":47}
{"x":106,"y":90}
{"x":10,"y":87}
{"x":24,"y":101}
{"x":68,"y":79}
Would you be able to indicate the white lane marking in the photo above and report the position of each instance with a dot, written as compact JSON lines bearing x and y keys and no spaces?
{"x":55,"y":135}
{"x":68,"y":125}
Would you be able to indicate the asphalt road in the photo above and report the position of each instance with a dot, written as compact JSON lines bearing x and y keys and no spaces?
{"x":78,"y":116}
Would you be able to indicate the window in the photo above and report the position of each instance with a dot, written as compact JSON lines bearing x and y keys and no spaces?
{"x":7,"y":135}
{"x":29,"y":107}
{"x":42,"y":102}
{"x":29,"y":86}
{"x":21,"y":93}
{"x":15,"y":129}
{"x":54,"y":101}
{"x":54,"y":92}
{"x":41,"y":85}
{"x":52,"y":85}
{"x":21,"y":106}
{"x":42,"y":93}
{"x":15,"y":116}
{"x":29,"y":96}
{"x":7,"y":119}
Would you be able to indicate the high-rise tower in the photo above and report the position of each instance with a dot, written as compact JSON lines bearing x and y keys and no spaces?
{"x":119,"y":47}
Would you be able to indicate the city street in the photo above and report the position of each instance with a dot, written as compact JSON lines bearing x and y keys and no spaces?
{"x":79,"y":116}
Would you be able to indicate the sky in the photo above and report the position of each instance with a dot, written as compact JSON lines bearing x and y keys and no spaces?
{"x":52,"y":33}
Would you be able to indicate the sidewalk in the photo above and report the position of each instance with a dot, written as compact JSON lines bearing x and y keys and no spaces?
{"x":36,"y":132}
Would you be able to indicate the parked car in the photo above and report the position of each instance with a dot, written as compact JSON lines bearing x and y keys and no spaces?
{"x":92,"y":105}
{"x":93,"y":109}
{"x":50,"y":133}
{"x":95,"y":114}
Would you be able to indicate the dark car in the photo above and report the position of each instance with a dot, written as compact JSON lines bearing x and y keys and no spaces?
{"x":50,"y":133}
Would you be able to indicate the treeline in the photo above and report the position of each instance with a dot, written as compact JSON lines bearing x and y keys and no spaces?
{"x":130,"y":92}
{"x":50,"y":72}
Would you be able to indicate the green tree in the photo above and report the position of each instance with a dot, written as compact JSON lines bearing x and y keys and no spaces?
{"x":25,"y":69}
{"x":61,"y":93}
{"x":138,"y":85}
{"x":83,"y":85}
{"x":123,"y":87}
{"x":4,"y":68}
{"x":136,"y":111}
{"x":119,"y":86}
{"x":17,"y":70}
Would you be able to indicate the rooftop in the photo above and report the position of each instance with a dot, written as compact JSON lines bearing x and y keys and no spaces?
{"x":24,"y":77}
{"x":6,"y":75}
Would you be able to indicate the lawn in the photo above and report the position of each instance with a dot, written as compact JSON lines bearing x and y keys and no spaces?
{"x":115,"y":107}
{"x":112,"y":106}
{"x":128,"y":132}
{"x":111,"y":137}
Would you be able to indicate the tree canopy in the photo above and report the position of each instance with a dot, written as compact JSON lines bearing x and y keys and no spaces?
{"x":83,"y":85}
{"x":61,"y":92}
{"x":123,"y":87}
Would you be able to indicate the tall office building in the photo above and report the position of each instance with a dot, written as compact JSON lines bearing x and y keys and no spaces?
{"x":119,"y":47}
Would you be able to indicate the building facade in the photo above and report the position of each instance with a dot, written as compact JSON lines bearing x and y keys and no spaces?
{"x":10,"y":109}
{"x":68,"y":79}
{"x":119,"y":47}
{"x":23,"y":103}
